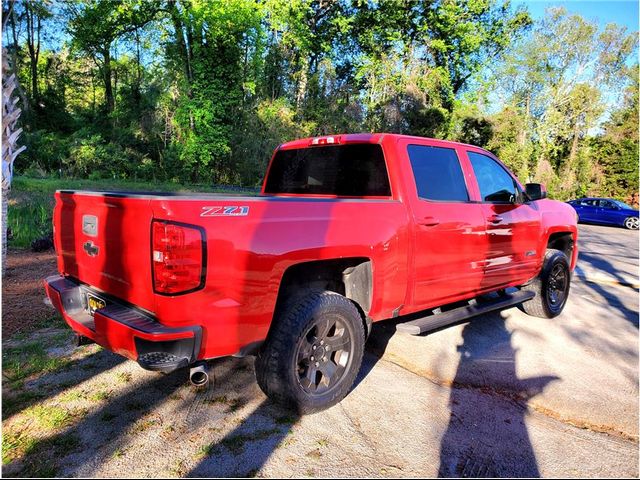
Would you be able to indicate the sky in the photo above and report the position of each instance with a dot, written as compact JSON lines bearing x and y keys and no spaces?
{"x":622,"y":12}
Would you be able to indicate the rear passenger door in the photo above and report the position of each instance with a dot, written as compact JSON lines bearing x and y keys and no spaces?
{"x":513,"y":225}
{"x":449,"y":229}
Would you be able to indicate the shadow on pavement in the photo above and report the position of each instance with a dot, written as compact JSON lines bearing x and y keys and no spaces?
{"x":612,"y":299}
{"x":483,"y":437}
{"x":481,"y":440}
{"x":601,"y":263}
{"x":244,"y":450}
{"x":57,"y":381}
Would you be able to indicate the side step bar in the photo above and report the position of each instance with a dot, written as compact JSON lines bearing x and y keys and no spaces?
{"x":437,"y":320}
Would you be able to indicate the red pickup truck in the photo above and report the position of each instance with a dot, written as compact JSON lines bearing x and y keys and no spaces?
{"x":348,"y":230}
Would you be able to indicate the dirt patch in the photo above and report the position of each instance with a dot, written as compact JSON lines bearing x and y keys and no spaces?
{"x":23,"y":307}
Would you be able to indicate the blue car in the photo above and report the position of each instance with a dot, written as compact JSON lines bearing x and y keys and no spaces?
{"x":605,"y":211}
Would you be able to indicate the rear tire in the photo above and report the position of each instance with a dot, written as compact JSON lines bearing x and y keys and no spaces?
{"x":551,"y":286}
{"x":631,"y":223}
{"x":313,"y":352}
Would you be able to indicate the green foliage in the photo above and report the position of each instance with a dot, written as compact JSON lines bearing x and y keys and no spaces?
{"x":201,"y":91}
{"x":31,"y":201}
{"x":554,"y":82}
{"x":28,"y":221}
{"x":618,"y":162}
{"x":271,"y":123}
{"x":46,"y":151}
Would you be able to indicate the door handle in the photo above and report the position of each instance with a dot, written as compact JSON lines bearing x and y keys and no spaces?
{"x":429,"y":222}
{"x":495,"y":219}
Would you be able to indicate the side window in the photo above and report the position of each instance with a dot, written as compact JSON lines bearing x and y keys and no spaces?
{"x":496,"y":185}
{"x":606,"y":204}
{"x":437,"y":173}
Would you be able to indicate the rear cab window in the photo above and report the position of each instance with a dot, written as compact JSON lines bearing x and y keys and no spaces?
{"x":437,"y":173}
{"x":354,"y":170}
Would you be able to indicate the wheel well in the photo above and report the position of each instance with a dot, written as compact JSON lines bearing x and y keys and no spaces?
{"x":351,"y":277}
{"x":562,"y":241}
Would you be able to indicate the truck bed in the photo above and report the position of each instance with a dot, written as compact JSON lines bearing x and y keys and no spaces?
{"x":250,"y":242}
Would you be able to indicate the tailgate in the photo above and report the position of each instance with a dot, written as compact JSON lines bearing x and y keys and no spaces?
{"x":103,"y":240}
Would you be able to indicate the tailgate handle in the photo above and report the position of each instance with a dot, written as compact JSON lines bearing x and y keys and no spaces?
{"x":495,"y":219}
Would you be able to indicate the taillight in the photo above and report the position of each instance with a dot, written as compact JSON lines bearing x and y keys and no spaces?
{"x":177,"y":257}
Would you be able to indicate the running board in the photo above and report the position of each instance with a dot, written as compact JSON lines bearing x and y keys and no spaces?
{"x":437,"y":320}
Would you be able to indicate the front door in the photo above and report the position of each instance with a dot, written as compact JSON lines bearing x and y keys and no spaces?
{"x":606,"y":212}
{"x":513,"y":226}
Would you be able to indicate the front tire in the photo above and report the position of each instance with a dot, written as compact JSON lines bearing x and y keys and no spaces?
{"x":551,"y":286}
{"x":631,"y":223}
{"x":313,"y":353}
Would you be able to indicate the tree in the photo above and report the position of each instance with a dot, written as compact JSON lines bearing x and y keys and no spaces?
{"x":202,"y":91}
{"x":416,"y":61}
{"x":552,"y":83}
{"x":10,"y":135}
{"x":213,"y":39}
{"x":35,"y":14}
{"x":616,"y":148}
{"x":95,"y":25}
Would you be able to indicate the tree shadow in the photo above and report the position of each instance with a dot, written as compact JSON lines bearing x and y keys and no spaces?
{"x":54,"y":382}
{"x":601,"y":263}
{"x":608,"y":293}
{"x":246,"y":449}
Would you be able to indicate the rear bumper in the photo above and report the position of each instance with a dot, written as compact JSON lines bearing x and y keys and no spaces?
{"x":124,"y":329}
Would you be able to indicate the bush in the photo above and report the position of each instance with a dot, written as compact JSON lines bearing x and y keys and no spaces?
{"x":46,"y":151}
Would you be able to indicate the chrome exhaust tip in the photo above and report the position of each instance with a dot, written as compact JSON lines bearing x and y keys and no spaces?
{"x":199,"y":375}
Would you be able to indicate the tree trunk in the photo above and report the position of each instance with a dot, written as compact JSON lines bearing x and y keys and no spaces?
{"x":574,"y":142}
{"x":106,"y":73}
{"x":522,"y":136}
{"x":186,"y":52}
{"x":15,"y":58}
{"x":138,"y":82}
{"x":5,"y":200}
{"x":10,"y":150}
{"x":34,"y":25}
{"x":184,"y":49}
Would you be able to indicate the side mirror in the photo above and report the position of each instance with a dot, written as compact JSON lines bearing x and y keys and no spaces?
{"x":535,"y":191}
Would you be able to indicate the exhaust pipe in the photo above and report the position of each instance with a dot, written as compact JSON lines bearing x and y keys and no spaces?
{"x":199,"y":375}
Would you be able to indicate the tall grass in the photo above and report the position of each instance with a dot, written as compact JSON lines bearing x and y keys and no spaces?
{"x":28,"y":222}
{"x":31,"y":201}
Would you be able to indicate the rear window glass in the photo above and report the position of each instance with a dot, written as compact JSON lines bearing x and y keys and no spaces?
{"x":344,"y":170}
{"x":437,"y":173}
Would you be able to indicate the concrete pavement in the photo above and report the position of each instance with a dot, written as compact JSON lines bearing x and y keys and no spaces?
{"x":581,"y":367}
{"x":608,"y":255}
{"x":393,"y":423}
{"x":503,"y":395}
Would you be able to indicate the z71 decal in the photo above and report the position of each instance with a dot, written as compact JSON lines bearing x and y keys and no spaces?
{"x":224,"y":211}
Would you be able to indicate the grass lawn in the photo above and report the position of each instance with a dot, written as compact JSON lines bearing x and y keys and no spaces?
{"x":31,"y":201}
